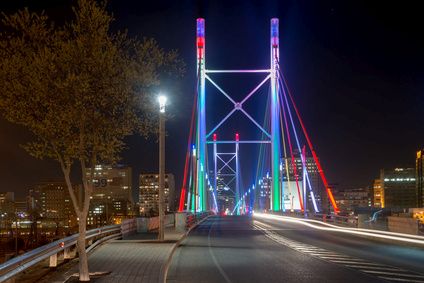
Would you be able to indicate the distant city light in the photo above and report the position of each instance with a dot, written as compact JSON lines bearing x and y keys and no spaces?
{"x":399,"y":180}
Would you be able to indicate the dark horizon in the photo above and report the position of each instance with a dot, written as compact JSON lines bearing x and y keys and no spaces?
{"x":354,"y":68}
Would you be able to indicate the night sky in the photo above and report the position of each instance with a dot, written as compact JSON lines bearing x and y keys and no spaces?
{"x":356,"y":71}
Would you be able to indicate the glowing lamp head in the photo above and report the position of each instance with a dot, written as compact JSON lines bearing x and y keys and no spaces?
{"x":214,"y":137}
{"x":237,"y":137}
{"x":162,"y":103}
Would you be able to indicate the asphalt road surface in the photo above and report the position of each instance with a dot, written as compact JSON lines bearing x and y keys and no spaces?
{"x":241,"y":249}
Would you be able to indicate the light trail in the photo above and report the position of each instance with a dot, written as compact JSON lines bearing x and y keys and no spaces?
{"x":361,"y":229}
{"x":353,"y":231}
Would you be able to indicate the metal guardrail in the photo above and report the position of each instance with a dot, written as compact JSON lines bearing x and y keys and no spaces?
{"x":16,"y":265}
{"x":355,"y":222}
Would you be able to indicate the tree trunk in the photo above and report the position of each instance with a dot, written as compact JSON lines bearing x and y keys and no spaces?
{"x":82,"y":218}
{"x":82,"y":254}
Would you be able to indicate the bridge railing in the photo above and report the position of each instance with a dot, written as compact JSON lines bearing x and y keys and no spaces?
{"x":14,"y":266}
{"x":350,"y":221}
{"x":194,"y":218}
{"x":185,"y":220}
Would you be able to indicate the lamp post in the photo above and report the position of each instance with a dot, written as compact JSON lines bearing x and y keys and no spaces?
{"x":162,"y":103}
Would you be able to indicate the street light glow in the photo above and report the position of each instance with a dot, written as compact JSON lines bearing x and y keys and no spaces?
{"x":162,"y":103}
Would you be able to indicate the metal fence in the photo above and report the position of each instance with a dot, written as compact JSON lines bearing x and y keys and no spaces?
{"x":11,"y":268}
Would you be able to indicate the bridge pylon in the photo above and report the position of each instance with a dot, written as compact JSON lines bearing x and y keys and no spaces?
{"x":203,"y":136}
{"x":199,"y":191}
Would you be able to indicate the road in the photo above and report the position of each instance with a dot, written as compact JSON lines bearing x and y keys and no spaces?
{"x":241,"y":249}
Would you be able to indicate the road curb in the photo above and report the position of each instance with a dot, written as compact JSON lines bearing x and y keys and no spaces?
{"x":174,"y":248}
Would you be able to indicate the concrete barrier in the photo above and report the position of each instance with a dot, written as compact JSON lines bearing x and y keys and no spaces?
{"x":142,"y":224}
{"x":181,"y":221}
{"x":128,"y":227}
{"x":362,"y":220}
{"x":145,"y":224}
{"x":185,"y":220}
{"x":403,"y":225}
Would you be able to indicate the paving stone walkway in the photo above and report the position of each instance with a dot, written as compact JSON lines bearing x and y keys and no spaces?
{"x":127,"y":260}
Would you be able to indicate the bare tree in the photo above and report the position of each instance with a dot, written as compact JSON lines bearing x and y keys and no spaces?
{"x":79,"y":89}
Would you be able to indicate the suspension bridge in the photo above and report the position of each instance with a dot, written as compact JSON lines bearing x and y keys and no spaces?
{"x":280,"y":224}
{"x":288,"y":167}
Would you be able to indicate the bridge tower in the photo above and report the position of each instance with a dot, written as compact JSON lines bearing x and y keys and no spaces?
{"x":275,"y":125}
{"x":203,"y":137}
{"x":201,"y":118}
{"x":198,"y":188}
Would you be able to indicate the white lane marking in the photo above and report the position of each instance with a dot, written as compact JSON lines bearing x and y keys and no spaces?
{"x":321,"y":253}
{"x":393,"y":273}
{"x":215,"y":261}
{"x":316,"y":249}
{"x":378,"y":270}
{"x":353,"y":261}
{"x":354,"y":231}
{"x":401,"y":279}
{"x":336,"y":257}
{"x":365,"y":267}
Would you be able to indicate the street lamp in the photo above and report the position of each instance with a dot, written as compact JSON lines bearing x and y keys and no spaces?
{"x":162,"y":104}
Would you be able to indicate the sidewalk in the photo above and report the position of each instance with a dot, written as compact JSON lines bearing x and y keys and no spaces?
{"x":135,"y":259}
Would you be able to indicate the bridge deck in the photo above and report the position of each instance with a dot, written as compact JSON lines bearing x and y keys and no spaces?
{"x":236,"y":249}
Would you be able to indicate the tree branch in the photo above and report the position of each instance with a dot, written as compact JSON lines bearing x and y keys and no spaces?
{"x":66,"y":169}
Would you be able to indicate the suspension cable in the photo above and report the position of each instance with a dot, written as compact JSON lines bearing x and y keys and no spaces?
{"x":286,"y":162}
{"x":311,"y":148}
{"x":284,"y":98}
{"x":292,"y":156}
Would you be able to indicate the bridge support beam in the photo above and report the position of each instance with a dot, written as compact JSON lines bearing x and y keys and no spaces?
{"x":237,"y":198}
{"x":275,"y":114}
{"x":53,"y":260}
{"x":67,"y":253}
{"x":201,"y":117}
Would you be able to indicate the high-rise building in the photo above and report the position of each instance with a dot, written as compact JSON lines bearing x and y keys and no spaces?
{"x":149,"y":193}
{"x":21,"y":206}
{"x":264,"y":193}
{"x":7,"y":211}
{"x":51,"y":201}
{"x":225,"y":198}
{"x":291,"y":193}
{"x":399,"y":187}
{"x":111,"y":199}
{"x":419,"y":172}
{"x":349,"y":199}
{"x":378,"y":193}
{"x":7,"y":203}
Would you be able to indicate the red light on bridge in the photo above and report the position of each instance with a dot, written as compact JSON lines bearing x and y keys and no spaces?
{"x":237,"y":137}
{"x":214,"y":137}
{"x":200,"y":42}
{"x":200,"y":33}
